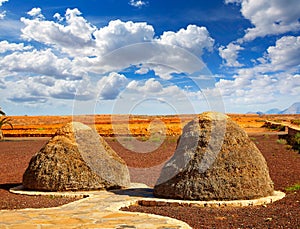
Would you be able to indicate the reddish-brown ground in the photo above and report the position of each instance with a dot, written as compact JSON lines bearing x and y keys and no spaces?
{"x":14,"y":159}
{"x":284,"y":167}
{"x":283,"y":163}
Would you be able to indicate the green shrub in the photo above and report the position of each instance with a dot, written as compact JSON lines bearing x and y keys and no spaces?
{"x":296,"y":122}
{"x":297,"y":138}
{"x":296,"y":142}
{"x":275,"y":127}
{"x":289,"y":147}
{"x":295,"y":187}
{"x":280,"y":128}
{"x":155,"y":139}
{"x":281,"y":141}
{"x":260,"y":120}
{"x":266,"y":136}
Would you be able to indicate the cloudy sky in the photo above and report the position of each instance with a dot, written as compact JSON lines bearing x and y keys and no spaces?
{"x":148,"y":57}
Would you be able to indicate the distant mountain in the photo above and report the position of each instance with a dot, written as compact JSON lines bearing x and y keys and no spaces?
{"x":294,"y":109}
{"x":273,"y":111}
{"x":256,"y":112}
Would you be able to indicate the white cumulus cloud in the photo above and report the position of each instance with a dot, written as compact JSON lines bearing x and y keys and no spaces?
{"x":2,"y":1}
{"x":75,"y":38}
{"x":87,"y":44}
{"x":6,"y":46}
{"x":118,"y":34}
{"x":193,"y":38}
{"x":230,"y":54}
{"x":276,"y":75}
{"x":43,"y":62}
{"x":110,"y":86}
{"x":40,"y":89}
{"x":150,"y":86}
{"x":286,"y":53}
{"x":269,"y":17}
{"x":3,"y":13}
{"x":71,"y":52}
{"x":233,"y":1}
{"x":36,"y":12}
{"x":79,"y":26}
{"x":58,"y":17}
{"x":137,"y":3}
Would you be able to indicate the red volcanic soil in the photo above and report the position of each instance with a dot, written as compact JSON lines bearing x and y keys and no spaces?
{"x":283,"y":163}
{"x":284,"y":167}
{"x":14,"y":159}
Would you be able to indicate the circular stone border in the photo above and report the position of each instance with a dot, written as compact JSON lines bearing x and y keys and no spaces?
{"x":147,"y":199}
{"x":277,"y":195}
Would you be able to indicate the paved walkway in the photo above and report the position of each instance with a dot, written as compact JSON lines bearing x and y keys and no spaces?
{"x":100,"y":209}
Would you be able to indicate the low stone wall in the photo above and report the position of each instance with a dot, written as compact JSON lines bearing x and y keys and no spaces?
{"x":275,"y":126}
{"x":293,"y":137}
{"x":292,"y":132}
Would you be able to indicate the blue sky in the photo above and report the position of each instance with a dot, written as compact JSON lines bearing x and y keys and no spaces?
{"x":148,"y":57}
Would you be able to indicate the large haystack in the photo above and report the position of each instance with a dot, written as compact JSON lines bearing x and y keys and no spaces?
{"x":214,"y":160}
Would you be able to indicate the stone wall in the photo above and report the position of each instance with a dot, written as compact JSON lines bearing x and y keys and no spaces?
{"x":293,"y":137}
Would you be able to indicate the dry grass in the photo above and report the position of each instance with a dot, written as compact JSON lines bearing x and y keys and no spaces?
{"x":138,"y":125}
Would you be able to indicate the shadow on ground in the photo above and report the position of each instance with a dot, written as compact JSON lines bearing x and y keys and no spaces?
{"x":8,"y":186}
{"x":136,"y":192}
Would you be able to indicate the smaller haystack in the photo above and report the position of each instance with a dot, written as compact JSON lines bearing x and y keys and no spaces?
{"x":76,"y":158}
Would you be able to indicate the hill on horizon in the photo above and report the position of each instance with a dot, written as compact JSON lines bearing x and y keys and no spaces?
{"x":293,"y":109}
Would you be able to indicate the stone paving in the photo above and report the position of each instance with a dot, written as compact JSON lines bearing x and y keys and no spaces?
{"x":100,"y":209}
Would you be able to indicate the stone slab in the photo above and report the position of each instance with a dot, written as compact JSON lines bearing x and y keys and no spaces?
{"x":100,"y":209}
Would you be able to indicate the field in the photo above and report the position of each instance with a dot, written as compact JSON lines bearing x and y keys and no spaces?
{"x":283,"y":162}
{"x":135,"y":125}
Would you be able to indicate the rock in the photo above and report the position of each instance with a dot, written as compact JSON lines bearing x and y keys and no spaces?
{"x":76,"y":158}
{"x":214,"y":160}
